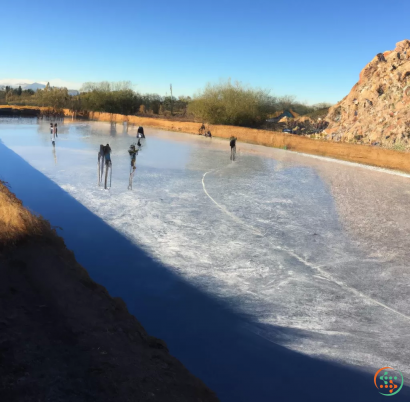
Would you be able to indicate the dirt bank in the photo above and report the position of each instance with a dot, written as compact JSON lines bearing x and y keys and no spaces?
{"x":62,"y":337}
{"x":19,"y":112}
{"x":366,"y":154}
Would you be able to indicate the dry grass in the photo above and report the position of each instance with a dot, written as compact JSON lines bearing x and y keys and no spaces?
{"x":20,"y":107}
{"x":16,"y":222}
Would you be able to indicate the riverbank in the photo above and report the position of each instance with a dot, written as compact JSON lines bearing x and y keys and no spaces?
{"x":369,"y":155}
{"x":365,"y":154}
{"x":62,"y":337}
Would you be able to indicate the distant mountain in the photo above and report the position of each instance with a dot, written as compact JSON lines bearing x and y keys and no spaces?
{"x":34,"y":86}
{"x":22,"y":85}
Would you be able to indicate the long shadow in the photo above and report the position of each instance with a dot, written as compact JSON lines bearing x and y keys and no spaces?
{"x":210,"y":339}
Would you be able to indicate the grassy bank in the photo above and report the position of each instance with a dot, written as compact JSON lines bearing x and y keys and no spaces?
{"x":62,"y":337}
{"x":369,"y":155}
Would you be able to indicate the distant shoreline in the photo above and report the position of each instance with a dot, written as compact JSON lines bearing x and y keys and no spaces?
{"x":363,"y":154}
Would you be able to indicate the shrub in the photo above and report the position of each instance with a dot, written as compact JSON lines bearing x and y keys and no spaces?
{"x":232,"y":104}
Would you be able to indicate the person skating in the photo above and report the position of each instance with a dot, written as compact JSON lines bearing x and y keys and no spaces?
{"x":55,"y":129}
{"x":140,"y":132}
{"x":133,"y":152}
{"x":232,"y":144}
{"x":53,"y":137}
{"x":107,"y":154}
{"x":108,"y":164}
{"x":100,"y":165}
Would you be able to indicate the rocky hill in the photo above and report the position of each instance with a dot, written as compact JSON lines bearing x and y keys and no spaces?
{"x":377,"y":109}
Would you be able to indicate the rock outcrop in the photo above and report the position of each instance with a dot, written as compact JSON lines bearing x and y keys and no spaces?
{"x":377,"y":109}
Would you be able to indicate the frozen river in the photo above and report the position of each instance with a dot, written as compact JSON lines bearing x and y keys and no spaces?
{"x":256,"y":272}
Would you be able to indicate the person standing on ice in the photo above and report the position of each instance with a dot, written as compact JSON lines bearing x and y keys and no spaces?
{"x":140,"y":132}
{"x":55,"y":129}
{"x":232,"y":143}
{"x":107,"y":154}
{"x":133,"y":151}
{"x":53,"y":137}
{"x":108,"y":164}
{"x":100,"y":166}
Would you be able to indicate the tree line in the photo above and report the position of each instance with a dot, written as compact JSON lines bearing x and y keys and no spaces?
{"x":9,"y":93}
{"x":222,"y":103}
{"x":116,"y":97}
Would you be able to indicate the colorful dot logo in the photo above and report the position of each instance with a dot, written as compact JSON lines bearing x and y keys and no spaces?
{"x":388,"y":381}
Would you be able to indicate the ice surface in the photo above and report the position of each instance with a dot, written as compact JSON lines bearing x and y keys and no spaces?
{"x":291,"y":241}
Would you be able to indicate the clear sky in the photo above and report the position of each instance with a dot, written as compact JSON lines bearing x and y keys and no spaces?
{"x":311,"y":49}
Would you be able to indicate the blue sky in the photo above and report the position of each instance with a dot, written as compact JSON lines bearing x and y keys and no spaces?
{"x":311,"y":49}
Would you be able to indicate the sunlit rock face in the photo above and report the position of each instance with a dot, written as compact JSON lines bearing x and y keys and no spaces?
{"x":377,"y":109}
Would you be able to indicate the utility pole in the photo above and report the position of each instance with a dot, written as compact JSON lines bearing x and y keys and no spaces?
{"x":172,"y":103}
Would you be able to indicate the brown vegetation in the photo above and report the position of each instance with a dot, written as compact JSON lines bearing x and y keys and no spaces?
{"x":16,"y":223}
